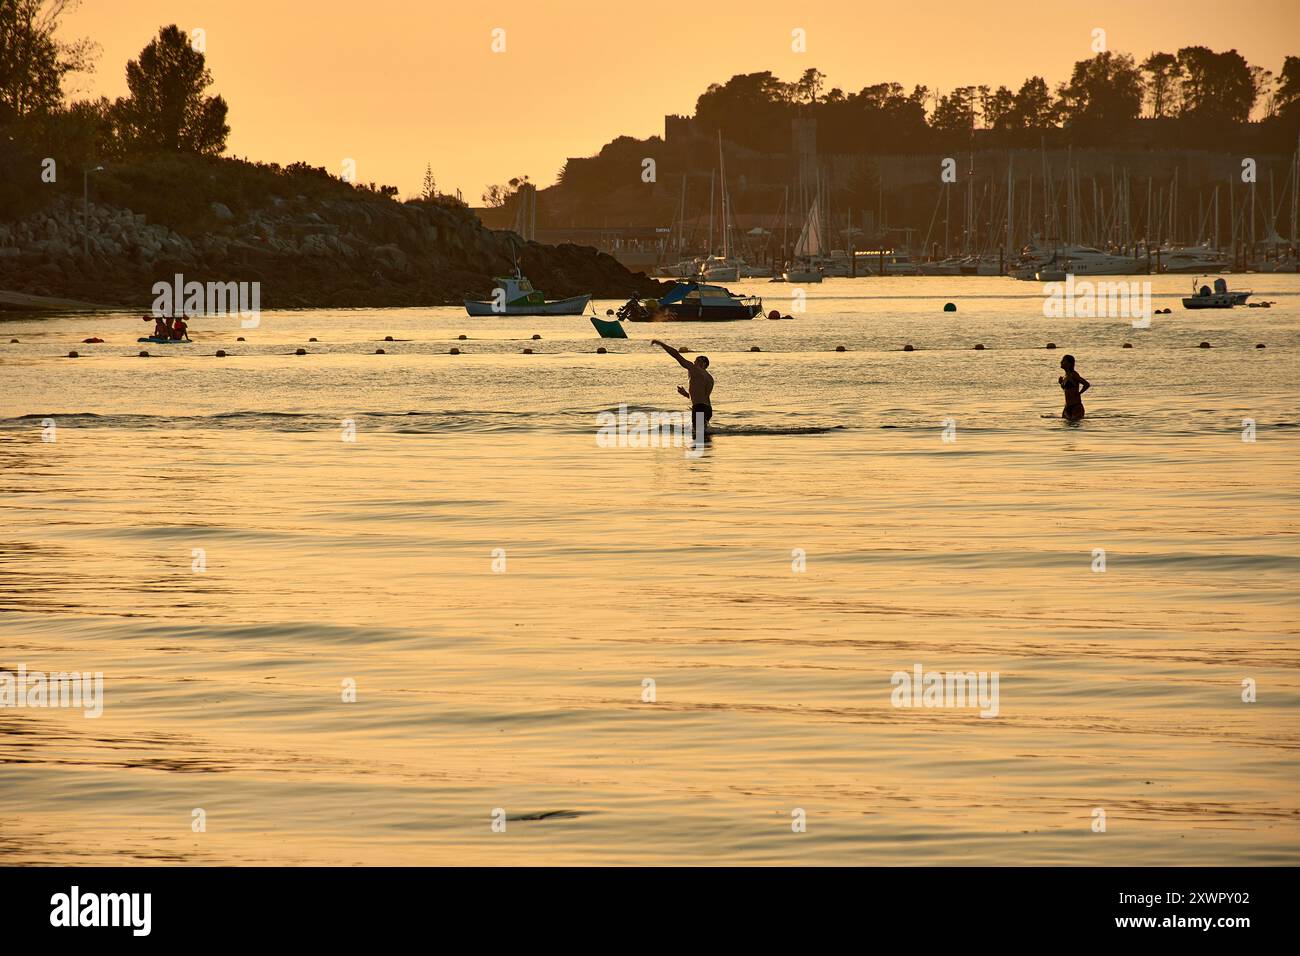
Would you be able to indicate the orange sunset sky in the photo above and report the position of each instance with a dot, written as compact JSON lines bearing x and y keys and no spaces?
{"x":394,"y":84}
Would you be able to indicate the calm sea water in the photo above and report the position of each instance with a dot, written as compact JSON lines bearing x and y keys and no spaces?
{"x":501,"y":591}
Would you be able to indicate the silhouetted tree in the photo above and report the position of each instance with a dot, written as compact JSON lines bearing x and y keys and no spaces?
{"x":1163,"y":74}
{"x":1288,"y":88}
{"x":955,"y":113}
{"x":33,"y":61}
{"x":1103,"y":92}
{"x":1034,"y":107}
{"x":1217,"y":87}
{"x":167,"y":109}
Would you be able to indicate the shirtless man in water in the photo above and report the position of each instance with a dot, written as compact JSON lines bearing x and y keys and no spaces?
{"x":1074,"y":385}
{"x":699,"y":387}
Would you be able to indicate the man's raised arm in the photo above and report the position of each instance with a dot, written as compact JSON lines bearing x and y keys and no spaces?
{"x":673,"y":352}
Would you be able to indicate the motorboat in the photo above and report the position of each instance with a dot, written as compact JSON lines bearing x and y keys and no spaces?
{"x":1220,"y":297}
{"x":1087,"y":261}
{"x":693,"y":302}
{"x":1194,"y":260}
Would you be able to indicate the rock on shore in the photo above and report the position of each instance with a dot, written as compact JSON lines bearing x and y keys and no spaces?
{"x":334,"y":252}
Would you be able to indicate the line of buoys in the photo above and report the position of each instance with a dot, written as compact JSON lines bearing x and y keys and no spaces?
{"x":979,"y":347}
{"x":454,"y":351}
{"x":221,"y":353}
{"x":601,"y":350}
{"x":908,"y":347}
{"x":300,"y":352}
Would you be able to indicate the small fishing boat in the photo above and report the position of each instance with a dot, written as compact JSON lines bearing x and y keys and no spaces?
{"x":693,"y":302}
{"x":515,"y":295}
{"x":1218,"y":298}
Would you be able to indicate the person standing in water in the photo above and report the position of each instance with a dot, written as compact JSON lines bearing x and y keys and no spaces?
{"x":699,"y":386}
{"x":1074,"y":385}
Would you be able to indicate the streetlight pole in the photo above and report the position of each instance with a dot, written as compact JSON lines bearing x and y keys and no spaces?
{"x":85,"y":207}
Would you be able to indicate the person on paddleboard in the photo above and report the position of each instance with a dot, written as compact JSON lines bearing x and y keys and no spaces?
{"x":180,"y":331}
{"x":160,"y":330}
{"x":1074,"y":385}
{"x":699,"y":388}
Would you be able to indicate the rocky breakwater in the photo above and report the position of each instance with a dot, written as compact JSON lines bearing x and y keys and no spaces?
{"x":362,"y":252}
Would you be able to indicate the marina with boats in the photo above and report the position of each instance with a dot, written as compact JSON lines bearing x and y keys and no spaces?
{"x":1027,"y":218}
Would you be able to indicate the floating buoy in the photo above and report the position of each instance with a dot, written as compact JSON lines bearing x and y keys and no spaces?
{"x":528,"y":351}
{"x":537,"y":338}
{"x":755,"y":348}
{"x":73,"y":355}
{"x":240,"y":339}
{"x":388,"y":338}
{"x":1205,"y":345}
{"x":1051,"y":345}
{"x":908,"y":347}
{"x":979,"y":347}
{"x":92,"y":341}
{"x":462,"y":337}
{"x":840,"y":348}
{"x":311,"y":340}
{"x":454,"y":352}
{"x":14,"y":342}
{"x":602,"y":350}
{"x":1127,"y":345}
{"x":221,"y":353}
{"x":300,"y":352}
{"x":380,"y":352}
{"x":144,"y":355}
{"x":950,"y":307}
{"x":1259,"y":345}
{"x":774,"y":314}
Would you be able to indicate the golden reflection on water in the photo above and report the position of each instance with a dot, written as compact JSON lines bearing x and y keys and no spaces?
{"x":523,"y":690}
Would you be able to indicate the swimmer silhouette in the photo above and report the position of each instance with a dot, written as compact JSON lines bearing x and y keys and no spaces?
{"x":1074,"y":385}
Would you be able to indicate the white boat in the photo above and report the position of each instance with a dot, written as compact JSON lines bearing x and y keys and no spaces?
{"x":685,"y":269}
{"x":941,"y":267}
{"x":1194,"y":260}
{"x":1087,"y":261}
{"x":807,"y":250}
{"x":515,"y":295}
